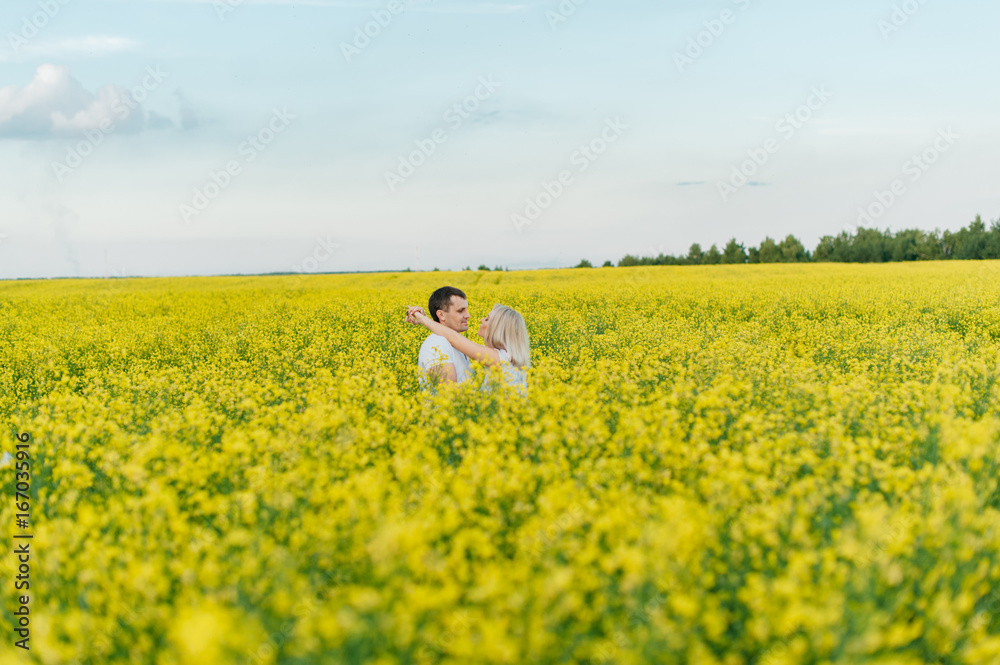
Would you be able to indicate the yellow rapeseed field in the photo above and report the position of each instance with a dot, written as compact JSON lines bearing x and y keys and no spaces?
{"x":766,"y":464}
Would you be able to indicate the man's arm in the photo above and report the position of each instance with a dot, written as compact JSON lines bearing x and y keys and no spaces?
{"x":437,"y":363}
{"x":444,"y":372}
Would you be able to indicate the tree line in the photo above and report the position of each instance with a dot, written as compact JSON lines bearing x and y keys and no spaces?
{"x":865,"y":245}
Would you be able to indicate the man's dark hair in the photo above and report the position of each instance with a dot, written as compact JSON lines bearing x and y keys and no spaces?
{"x":441,"y":299}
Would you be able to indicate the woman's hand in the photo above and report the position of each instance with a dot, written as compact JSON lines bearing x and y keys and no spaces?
{"x":415,"y":315}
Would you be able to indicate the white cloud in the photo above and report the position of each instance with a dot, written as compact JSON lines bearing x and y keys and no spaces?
{"x":56,"y":104}
{"x":91,"y":45}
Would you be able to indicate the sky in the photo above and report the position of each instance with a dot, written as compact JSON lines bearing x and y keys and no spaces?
{"x":203,"y":137}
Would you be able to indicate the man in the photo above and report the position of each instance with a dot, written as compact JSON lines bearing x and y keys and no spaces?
{"x":438,"y":359}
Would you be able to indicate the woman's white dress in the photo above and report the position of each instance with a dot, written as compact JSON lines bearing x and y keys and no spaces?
{"x":513,"y":376}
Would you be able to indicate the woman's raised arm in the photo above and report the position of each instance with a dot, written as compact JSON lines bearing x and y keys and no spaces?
{"x":483,"y":354}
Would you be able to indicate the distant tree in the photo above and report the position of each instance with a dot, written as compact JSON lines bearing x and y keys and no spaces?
{"x":971,"y":242}
{"x":833,"y":248}
{"x":712,"y":257}
{"x":865,"y":245}
{"x":792,"y":250}
{"x":869,"y":246}
{"x":905,"y":245}
{"x":993,"y":241}
{"x":483,"y":266}
{"x":949,"y":243}
{"x":584,"y":263}
{"x":608,"y":264}
{"x":734,"y":252}
{"x":468,"y":268}
{"x":931,"y":247}
{"x":769,"y":252}
{"x":824,"y":250}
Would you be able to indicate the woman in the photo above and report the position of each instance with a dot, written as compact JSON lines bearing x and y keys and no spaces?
{"x":505,"y":342}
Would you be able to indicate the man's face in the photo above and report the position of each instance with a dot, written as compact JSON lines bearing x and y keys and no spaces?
{"x":457,"y":316}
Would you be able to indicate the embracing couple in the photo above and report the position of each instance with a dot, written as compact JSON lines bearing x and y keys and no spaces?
{"x":446,"y":355}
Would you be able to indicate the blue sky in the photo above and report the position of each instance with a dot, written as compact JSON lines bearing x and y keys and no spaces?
{"x":155,"y":137}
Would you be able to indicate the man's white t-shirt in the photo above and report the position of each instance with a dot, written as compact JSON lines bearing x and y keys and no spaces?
{"x":436,"y":350}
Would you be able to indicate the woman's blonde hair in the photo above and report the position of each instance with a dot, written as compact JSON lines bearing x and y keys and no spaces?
{"x":507,"y":331}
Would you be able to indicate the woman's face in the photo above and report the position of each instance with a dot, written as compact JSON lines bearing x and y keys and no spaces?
{"x":484,"y":326}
